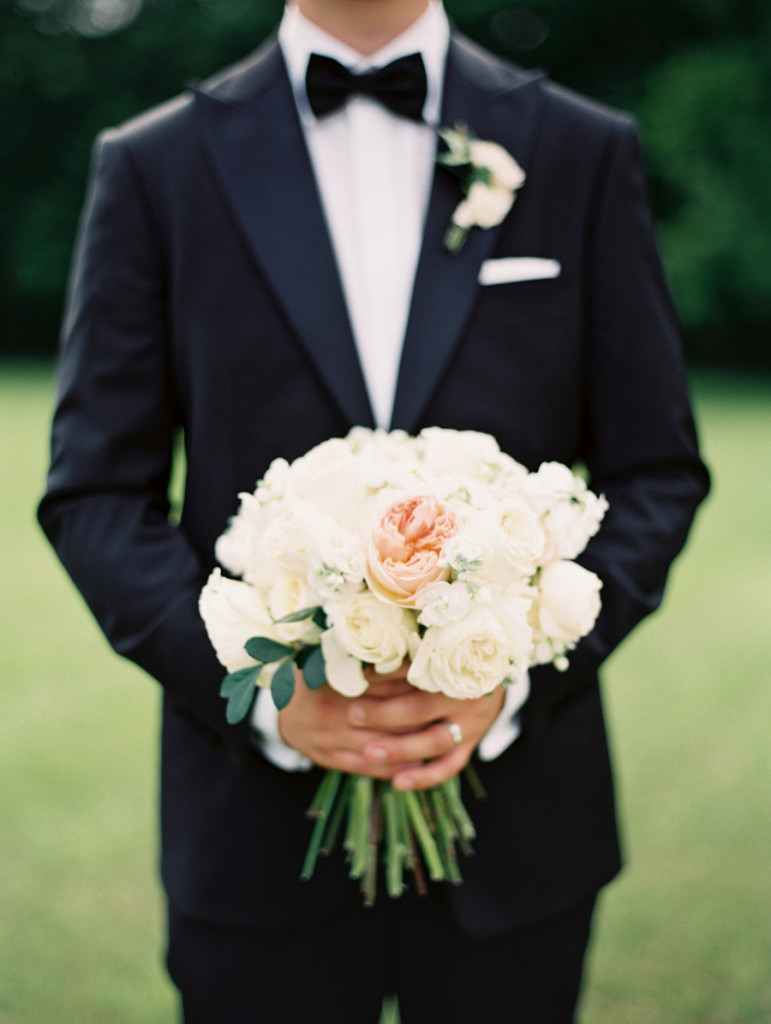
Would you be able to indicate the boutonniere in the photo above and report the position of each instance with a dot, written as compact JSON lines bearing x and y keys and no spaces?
{"x":489,"y":177}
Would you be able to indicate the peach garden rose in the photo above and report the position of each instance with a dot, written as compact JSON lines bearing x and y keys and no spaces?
{"x":404,"y":554}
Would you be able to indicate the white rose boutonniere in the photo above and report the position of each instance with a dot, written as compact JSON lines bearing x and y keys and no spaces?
{"x":490,"y":178}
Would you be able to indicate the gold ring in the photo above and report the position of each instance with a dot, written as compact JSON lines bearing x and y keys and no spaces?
{"x":456,"y":732}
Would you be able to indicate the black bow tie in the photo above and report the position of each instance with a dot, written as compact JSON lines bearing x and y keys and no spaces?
{"x":400,"y":86}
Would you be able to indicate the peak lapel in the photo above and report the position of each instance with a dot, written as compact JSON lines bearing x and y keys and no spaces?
{"x":500,"y":105}
{"x":252,"y":133}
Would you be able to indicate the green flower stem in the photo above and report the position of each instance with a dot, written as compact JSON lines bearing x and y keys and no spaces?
{"x":336,"y":819}
{"x":451,"y":790}
{"x":320,"y":809}
{"x":416,"y":866}
{"x":419,"y":831}
{"x":407,"y":837}
{"x":361,"y":805}
{"x":473,"y":780}
{"x":350,"y":842}
{"x":454,"y":237}
{"x":329,"y":782}
{"x":311,"y":854}
{"x":423,"y":834}
{"x":447,"y":834}
{"x":369,"y":883}
{"x":396,"y":849}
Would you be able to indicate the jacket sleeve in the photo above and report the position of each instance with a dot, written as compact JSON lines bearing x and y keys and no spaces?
{"x":640,"y":443}
{"x":106,"y":508}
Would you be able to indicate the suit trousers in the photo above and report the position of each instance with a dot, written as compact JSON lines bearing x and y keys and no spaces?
{"x":339,"y":971}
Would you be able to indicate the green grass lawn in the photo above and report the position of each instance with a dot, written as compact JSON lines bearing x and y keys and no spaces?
{"x":683,"y":936}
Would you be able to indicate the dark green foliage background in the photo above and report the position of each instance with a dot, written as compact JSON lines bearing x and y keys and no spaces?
{"x":697,"y":74}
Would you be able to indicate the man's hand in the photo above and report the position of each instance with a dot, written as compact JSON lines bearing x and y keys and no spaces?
{"x":393,"y":731}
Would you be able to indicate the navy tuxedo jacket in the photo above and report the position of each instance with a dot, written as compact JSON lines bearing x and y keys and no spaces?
{"x":205,"y":300}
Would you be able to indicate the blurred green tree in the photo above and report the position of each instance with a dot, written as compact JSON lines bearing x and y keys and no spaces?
{"x":697,"y":73}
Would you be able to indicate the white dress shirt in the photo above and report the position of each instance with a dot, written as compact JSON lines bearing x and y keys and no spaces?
{"x":374,"y":171}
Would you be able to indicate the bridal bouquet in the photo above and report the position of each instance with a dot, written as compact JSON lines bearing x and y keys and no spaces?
{"x":381,"y":547}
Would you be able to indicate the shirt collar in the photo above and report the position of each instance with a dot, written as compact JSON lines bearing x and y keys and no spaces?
{"x":429,"y":36}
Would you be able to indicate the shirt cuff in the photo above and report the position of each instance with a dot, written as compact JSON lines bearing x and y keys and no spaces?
{"x":507,"y":726}
{"x":269,"y":741}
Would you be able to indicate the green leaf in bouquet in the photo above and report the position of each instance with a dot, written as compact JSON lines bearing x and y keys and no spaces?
{"x":314,"y":668}
{"x":234,"y":680}
{"x":282,"y":686}
{"x":301,"y":616}
{"x":262,"y":649}
{"x":239,"y":689}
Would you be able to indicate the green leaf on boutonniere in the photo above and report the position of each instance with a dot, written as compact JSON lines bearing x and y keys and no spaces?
{"x":313,"y":667}
{"x":458,"y":152}
{"x":238,"y":687}
{"x":262,"y":649}
{"x":282,"y":686}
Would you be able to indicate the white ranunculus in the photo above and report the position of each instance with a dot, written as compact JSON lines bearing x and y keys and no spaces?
{"x":233,"y":612}
{"x":504,"y":168}
{"x":372,"y":630}
{"x":463,"y":659}
{"x":566,"y":608}
{"x":344,"y":672}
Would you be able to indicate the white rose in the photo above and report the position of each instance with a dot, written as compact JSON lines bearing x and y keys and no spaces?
{"x":516,"y":539}
{"x":504,"y":168}
{"x":329,"y":478}
{"x":458,"y":452}
{"x":513,"y":609}
{"x":484,"y":206}
{"x":372,"y":630}
{"x":288,"y":595}
{"x":566,"y":608}
{"x":463,"y":659}
{"x":273,"y":485}
{"x":238,"y":548}
{"x":233,"y":612}
{"x":570,"y":512}
{"x":386,"y":459}
{"x":344,"y":672}
{"x":295,"y":537}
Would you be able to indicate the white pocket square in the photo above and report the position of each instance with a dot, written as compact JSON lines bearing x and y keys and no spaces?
{"x":518,"y":268}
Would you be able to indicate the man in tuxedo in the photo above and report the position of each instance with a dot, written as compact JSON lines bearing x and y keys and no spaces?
{"x":261,"y":266}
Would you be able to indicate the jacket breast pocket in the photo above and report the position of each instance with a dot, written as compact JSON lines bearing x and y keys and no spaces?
{"x":523,"y":300}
